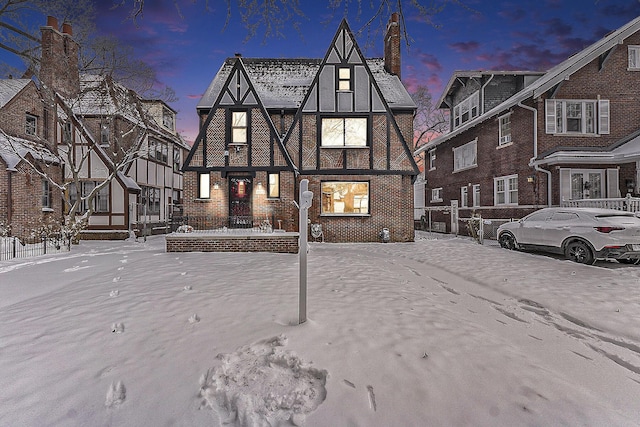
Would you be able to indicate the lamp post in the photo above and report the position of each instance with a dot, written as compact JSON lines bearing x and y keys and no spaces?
{"x":306,"y":198}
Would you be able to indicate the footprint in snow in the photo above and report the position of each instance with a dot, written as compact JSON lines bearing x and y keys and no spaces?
{"x":116,"y":395}
{"x":124,"y":261}
{"x":117,"y":328}
{"x":120,"y":268}
{"x":114,"y":293}
{"x":187,"y":288}
{"x":194,"y":319}
{"x":184,"y":273}
{"x":116,"y":279}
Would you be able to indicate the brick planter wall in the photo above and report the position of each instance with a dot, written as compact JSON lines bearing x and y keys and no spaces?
{"x":198,"y":242}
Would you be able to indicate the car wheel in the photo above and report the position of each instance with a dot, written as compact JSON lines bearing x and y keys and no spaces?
{"x":629,"y":261}
{"x":579,"y":252}
{"x":507,"y":241}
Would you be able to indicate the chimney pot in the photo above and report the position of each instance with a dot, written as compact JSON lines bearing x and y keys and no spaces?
{"x":52,"y":22}
{"x":66,"y":28}
{"x":238,"y":55}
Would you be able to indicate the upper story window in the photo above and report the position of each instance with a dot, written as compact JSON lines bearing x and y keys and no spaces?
{"x":436,"y":194}
{"x":104,"y":134}
{"x":432,"y":159}
{"x":238,"y":127}
{"x":100,"y":202}
{"x":466,"y":156}
{"x":158,"y":150}
{"x":67,"y":133}
{"x":634,"y":57}
{"x":344,"y":78}
{"x":177,"y":158}
{"x":344,"y":132}
{"x":504,"y":123}
{"x":466,"y":110}
{"x":168,"y":119}
{"x":586,"y":117}
{"x":31,"y":125}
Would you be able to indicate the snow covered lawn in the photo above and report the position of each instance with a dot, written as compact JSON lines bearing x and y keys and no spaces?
{"x":440,"y":332}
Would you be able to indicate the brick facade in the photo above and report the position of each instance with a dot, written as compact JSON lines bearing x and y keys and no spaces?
{"x":276,"y":242}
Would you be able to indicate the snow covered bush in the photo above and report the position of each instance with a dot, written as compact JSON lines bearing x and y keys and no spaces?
{"x":185,"y":229}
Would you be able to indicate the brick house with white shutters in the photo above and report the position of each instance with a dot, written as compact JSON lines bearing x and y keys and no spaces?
{"x":523,"y":140}
{"x":344,"y":122}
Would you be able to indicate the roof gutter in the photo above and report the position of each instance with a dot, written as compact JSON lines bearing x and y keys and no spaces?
{"x":532,"y":162}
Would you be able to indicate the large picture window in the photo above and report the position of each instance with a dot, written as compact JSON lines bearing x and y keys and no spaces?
{"x":100,"y":201}
{"x":465,"y":156}
{"x":506,"y":190}
{"x":344,"y":132}
{"x":345,"y":198}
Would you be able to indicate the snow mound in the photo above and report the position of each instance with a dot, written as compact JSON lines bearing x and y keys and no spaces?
{"x":263,"y":385}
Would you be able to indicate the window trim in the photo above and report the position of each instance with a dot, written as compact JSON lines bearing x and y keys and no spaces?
{"x":432,"y":159}
{"x":633,"y":52}
{"x":556,"y":116}
{"x":436,"y":194}
{"x":464,"y":196}
{"x":233,"y":127}
{"x":345,"y":214}
{"x":503,"y":139}
{"x":177,"y":158}
{"x":269,"y":185}
{"x":31,"y":130}
{"x":472,"y":143}
{"x":347,"y":80}
{"x":475,"y":197}
{"x":170,"y":115}
{"x":46,"y":194}
{"x":344,"y":133}
{"x":507,"y":191}
{"x":468,"y":104}
{"x":204,"y":185}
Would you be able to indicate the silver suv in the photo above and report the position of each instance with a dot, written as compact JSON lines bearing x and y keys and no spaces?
{"x":581,"y":234}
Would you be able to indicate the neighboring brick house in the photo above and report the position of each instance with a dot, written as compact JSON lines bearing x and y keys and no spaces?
{"x":95,"y":113}
{"x":342,"y":122}
{"x":520,"y":141}
{"x":27,"y":200}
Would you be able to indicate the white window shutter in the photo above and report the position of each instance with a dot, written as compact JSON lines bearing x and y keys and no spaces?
{"x":550,"y":105}
{"x":613,"y":186}
{"x":565,"y":185}
{"x":603,"y":119}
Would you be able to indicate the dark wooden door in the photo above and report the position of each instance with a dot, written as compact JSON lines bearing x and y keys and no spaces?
{"x":240,"y":215}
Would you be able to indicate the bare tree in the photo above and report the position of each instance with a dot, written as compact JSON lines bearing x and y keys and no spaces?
{"x":429,"y":121}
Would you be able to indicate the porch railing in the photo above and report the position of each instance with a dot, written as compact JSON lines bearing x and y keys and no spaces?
{"x":630,"y":204}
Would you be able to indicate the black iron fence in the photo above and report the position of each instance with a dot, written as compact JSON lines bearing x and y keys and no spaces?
{"x":13,"y":247}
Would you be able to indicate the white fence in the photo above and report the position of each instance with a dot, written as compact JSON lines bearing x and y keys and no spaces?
{"x":630,"y":204}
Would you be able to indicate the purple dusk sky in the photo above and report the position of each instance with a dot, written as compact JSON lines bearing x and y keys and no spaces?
{"x":188,"y":50}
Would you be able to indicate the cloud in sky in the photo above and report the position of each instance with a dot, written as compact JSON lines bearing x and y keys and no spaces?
{"x":465,"y":47}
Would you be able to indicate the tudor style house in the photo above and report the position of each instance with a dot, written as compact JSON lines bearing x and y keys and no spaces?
{"x":523,"y":140}
{"x":342,"y":122}
{"x":97,"y":116}
{"x":27,"y":201}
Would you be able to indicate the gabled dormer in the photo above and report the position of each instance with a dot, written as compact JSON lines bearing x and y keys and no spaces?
{"x":344,"y":122}
{"x":237,"y":133}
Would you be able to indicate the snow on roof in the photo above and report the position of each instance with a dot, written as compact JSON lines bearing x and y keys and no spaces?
{"x":10,"y":88}
{"x":283,"y":83}
{"x":13,"y":150}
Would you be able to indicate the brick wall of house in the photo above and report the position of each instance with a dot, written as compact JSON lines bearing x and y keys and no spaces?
{"x":276,"y":242}
{"x":13,"y":114}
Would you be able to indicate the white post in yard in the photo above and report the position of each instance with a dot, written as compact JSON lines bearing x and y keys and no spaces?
{"x":306,"y":198}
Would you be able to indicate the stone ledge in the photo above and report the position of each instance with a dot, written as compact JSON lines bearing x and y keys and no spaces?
{"x":232,"y":242}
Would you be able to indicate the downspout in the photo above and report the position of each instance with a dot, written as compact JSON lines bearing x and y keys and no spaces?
{"x":9,"y":194}
{"x":535,"y":150}
{"x":482,"y":92}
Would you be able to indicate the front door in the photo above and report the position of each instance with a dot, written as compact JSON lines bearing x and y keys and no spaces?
{"x":586,"y":184}
{"x":240,"y":202}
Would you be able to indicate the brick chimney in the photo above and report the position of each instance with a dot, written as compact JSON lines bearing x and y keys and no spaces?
{"x":59,"y":64}
{"x":392,"y":46}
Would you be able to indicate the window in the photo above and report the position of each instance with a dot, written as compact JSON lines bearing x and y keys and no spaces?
{"x":239,"y":127}
{"x":344,"y":132}
{"x":344,"y":79}
{"x":466,"y":110}
{"x":345,"y":198}
{"x":273,"y":186}
{"x":634,"y":57}
{"x":150,"y":197}
{"x":204,"y":191}
{"x":505,"y":129}
{"x":66,"y":133}
{"x":476,"y":195}
{"x":577,"y":116}
{"x":168,"y":119}
{"x":436,"y":194}
{"x":46,"y":194}
{"x":104,"y":134}
{"x":31,"y":125}
{"x":177,"y":159}
{"x":464,"y":197}
{"x":506,"y":190}
{"x":100,"y":201}
{"x":466,"y":156}
{"x":158,"y":150}
{"x":432,"y":159}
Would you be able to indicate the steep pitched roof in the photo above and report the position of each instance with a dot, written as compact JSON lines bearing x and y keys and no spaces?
{"x":283,"y":83}
{"x":13,"y":150}
{"x":10,"y":88}
{"x":551,"y":78}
